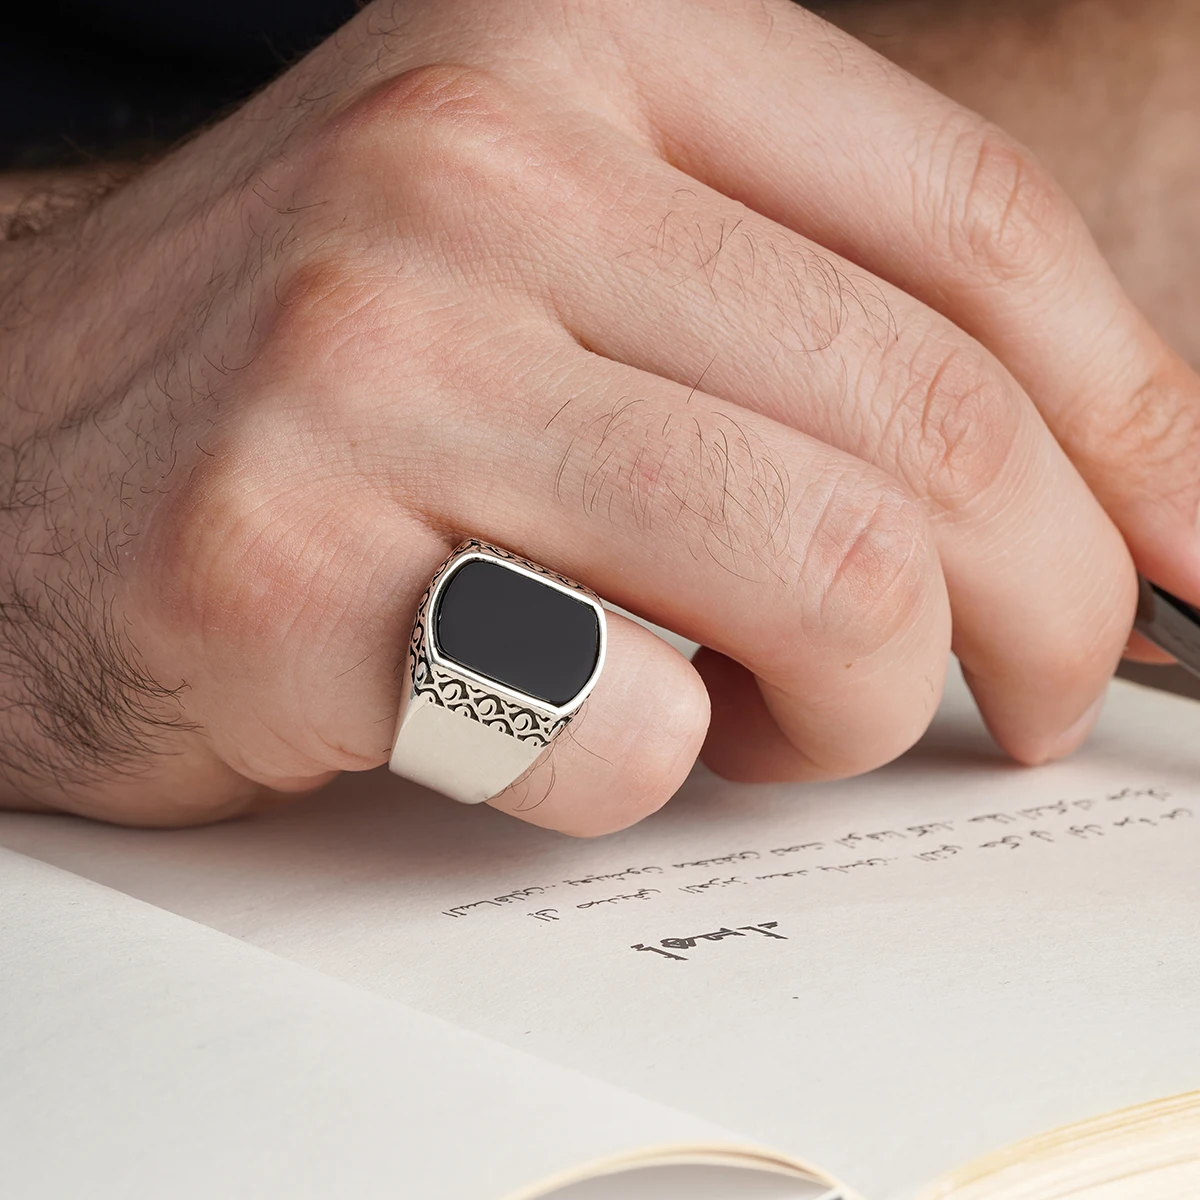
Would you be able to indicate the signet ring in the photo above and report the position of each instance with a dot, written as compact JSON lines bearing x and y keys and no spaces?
{"x":503,"y":654}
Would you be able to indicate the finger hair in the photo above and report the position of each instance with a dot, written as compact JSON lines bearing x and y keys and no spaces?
{"x":808,"y":297}
{"x":698,"y":474}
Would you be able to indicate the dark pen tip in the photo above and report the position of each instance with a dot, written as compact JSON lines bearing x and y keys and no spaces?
{"x":1171,"y":624}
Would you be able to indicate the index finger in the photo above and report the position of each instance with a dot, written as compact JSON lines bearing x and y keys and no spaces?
{"x":809,"y":127}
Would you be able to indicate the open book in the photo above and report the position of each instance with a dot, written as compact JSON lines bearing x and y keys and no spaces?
{"x":952,"y":978}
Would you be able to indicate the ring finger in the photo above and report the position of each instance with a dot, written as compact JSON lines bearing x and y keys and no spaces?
{"x":808,"y":566}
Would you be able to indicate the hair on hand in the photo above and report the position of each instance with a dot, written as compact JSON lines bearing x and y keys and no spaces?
{"x":78,"y":705}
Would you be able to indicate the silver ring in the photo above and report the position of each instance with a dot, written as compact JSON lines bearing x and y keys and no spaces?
{"x":503,"y":654}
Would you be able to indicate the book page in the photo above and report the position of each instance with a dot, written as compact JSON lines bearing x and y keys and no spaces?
{"x":143,"y":1055}
{"x":691,"y":1181}
{"x":889,"y":976}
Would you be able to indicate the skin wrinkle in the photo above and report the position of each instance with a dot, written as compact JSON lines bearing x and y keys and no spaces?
{"x":1153,"y":426}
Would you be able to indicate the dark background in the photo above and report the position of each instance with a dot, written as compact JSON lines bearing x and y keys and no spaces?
{"x":88,"y":79}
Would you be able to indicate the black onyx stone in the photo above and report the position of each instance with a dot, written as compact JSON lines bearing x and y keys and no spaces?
{"x":524,"y":634}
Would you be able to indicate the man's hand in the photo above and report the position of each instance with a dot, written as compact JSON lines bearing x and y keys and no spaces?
{"x":704,"y":304}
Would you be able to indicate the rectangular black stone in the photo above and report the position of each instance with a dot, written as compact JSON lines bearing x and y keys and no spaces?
{"x":507,"y":626}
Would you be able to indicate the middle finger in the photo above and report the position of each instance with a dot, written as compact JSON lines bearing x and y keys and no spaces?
{"x":657,"y":271}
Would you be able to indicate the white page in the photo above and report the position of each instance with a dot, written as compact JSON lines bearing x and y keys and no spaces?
{"x":143,"y":1055}
{"x":919,"y":1012}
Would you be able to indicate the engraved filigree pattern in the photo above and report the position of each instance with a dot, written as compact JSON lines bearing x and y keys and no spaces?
{"x":478,"y":704}
{"x":441,"y":687}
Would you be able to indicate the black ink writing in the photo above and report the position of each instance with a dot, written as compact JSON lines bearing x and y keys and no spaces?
{"x":640,"y":894}
{"x":668,"y":945}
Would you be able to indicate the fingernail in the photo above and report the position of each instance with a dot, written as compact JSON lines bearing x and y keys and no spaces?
{"x":1076,"y":734}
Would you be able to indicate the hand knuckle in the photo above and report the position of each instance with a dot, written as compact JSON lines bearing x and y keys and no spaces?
{"x":437,"y":96}
{"x":1005,"y":215}
{"x":959,"y":422}
{"x":323,"y":310}
{"x":329,"y":315}
{"x":868,"y":570}
{"x":1153,"y":434}
{"x":218,"y":556}
{"x":446,"y":123}
{"x":246,"y":563}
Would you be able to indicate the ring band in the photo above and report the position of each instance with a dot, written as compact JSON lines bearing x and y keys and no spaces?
{"x":502,"y":655}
